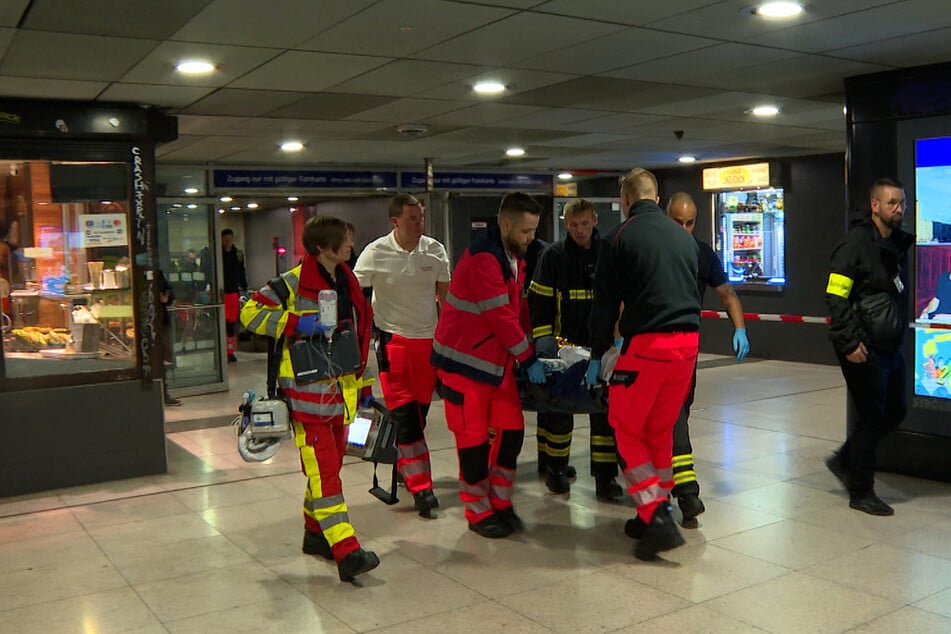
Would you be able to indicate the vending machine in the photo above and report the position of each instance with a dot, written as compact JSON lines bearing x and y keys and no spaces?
{"x":749,"y":224}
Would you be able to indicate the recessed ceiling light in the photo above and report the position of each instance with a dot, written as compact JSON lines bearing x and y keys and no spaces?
{"x":192,"y":205}
{"x":225,"y":199}
{"x":765,"y":111}
{"x":566,"y":176}
{"x":292,"y":209}
{"x":195,"y":67}
{"x":515,"y":151}
{"x":252,"y":205}
{"x":220,"y":210}
{"x":235,"y":208}
{"x":292,"y":146}
{"x":177,"y":205}
{"x":687,"y":159}
{"x":191,"y":190}
{"x":292,"y":199}
{"x":779,"y":9}
{"x":489,"y":87}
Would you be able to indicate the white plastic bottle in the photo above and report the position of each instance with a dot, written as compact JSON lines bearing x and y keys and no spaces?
{"x":327,"y":305}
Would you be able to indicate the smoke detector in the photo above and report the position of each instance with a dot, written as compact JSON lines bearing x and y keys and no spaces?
{"x":412,"y":130}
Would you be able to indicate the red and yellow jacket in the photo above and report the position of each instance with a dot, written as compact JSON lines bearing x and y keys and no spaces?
{"x":485,"y":320}
{"x":328,"y":401}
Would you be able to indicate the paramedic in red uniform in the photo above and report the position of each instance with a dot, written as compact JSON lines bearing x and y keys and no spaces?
{"x":407,"y":271}
{"x":235,"y":283}
{"x":481,"y":334}
{"x":648,"y":264}
{"x":287,"y":308}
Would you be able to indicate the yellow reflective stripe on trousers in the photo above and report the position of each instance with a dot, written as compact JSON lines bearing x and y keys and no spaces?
{"x":839,"y":285}
{"x":603,"y":456}
{"x":685,"y":460}
{"x":580,"y":294}
{"x":332,"y":515}
{"x":683,"y":477}
{"x":542,"y":331}
{"x":308,"y":458}
{"x":602,"y":441}
{"x":555,"y":438}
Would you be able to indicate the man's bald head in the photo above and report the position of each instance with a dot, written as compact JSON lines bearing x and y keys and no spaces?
{"x":683,"y":210}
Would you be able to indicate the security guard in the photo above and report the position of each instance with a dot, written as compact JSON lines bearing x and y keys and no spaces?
{"x":287,"y":307}
{"x":682,"y":210}
{"x":559,"y":299}
{"x":867,"y":296}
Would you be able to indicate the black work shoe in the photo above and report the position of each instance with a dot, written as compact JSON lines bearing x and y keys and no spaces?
{"x":834,"y":463}
{"x":607,"y":490}
{"x":570,"y":472}
{"x":557,"y":481}
{"x":660,"y":534}
{"x":171,"y":401}
{"x":492,"y":527}
{"x":509,"y":517}
{"x":691,"y":506}
{"x":232,"y":358}
{"x":426,"y":501}
{"x":316,"y":544}
{"x":357,"y":563}
{"x":634,"y":528}
{"x":870,"y":503}
{"x":542,"y":467}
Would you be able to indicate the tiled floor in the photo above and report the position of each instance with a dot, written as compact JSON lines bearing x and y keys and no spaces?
{"x":214,"y":545}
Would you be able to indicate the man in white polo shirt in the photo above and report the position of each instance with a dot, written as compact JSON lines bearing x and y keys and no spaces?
{"x":408,"y":271}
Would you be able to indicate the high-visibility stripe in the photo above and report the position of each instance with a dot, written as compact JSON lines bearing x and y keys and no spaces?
{"x":839,"y":285}
{"x":500,"y":482}
{"x":576,"y":294}
{"x":520,"y":347}
{"x":684,"y":460}
{"x":682,"y":477}
{"x":558,"y":453}
{"x":602,"y":441}
{"x":467,"y":359}
{"x":542,"y":331}
{"x":666,"y":475}
{"x":477,"y":307}
{"x":555,"y":438}
{"x":636,"y":476}
{"x":545,"y":291}
{"x":413,"y":450}
{"x":416,"y":467}
{"x":308,"y":459}
{"x":475,"y":496}
{"x":603,"y":456}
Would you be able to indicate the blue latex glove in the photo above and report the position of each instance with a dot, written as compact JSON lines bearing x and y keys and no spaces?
{"x":309,"y":325}
{"x":741,"y":344}
{"x":366,"y":400}
{"x":619,"y":343}
{"x":536,"y":373}
{"x":594,"y":368}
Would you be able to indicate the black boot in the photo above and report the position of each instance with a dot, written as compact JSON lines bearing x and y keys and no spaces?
{"x":870,"y":503}
{"x":425,"y":501}
{"x":570,"y":472}
{"x":316,"y":544}
{"x":509,"y":517}
{"x":607,"y":489}
{"x":840,"y":471}
{"x":660,"y":534}
{"x":557,"y":481}
{"x":634,"y":528}
{"x":357,"y":563}
{"x":492,"y":527}
{"x":691,"y":506}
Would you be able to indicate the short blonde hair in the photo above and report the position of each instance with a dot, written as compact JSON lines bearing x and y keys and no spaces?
{"x":639,"y":184}
{"x":579,"y":206}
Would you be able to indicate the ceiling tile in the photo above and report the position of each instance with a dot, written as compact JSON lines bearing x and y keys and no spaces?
{"x":165,"y":96}
{"x":310,"y":129}
{"x":67,"y":56}
{"x":633,"y":13}
{"x":701,"y":63}
{"x":407,"y":77}
{"x":167,"y":148}
{"x":737,"y":102}
{"x":553,"y":118}
{"x":613,"y":124}
{"x":50,"y":88}
{"x":398,"y":28}
{"x":231,"y":62}
{"x":408,"y":110}
{"x":892,"y":20}
{"x":516,"y":81}
{"x":149,"y":20}
{"x":213,"y":148}
{"x":297,"y":70}
{"x":590,"y":92}
{"x":329,"y":106}
{"x":513,"y":4}
{"x":516,"y":38}
{"x":11,"y":11}
{"x":243,"y":103}
{"x":601,"y":54}
{"x":200,"y":125}
{"x":278,"y":24}
{"x":919,"y":49}
{"x":6,"y":36}
{"x":483,"y":113}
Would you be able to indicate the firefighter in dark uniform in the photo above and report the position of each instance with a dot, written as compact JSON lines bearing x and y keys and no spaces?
{"x":682,"y":210}
{"x":867,"y":296}
{"x":649,"y":265}
{"x":559,"y":299}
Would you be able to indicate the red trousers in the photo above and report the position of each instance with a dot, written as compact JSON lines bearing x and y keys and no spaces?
{"x":321,"y":449}
{"x":645,"y":394}
{"x":408,"y":380}
{"x":486,"y":471}
{"x":232,"y":310}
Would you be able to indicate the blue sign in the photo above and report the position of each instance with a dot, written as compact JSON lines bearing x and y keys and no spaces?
{"x":301,"y":179}
{"x":472,"y":180}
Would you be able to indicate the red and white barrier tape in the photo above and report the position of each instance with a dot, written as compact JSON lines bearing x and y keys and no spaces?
{"x":804,"y":319}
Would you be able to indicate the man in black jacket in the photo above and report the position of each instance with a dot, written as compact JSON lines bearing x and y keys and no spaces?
{"x":650,"y":265}
{"x":867,"y":298}
{"x":559,"y":300}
